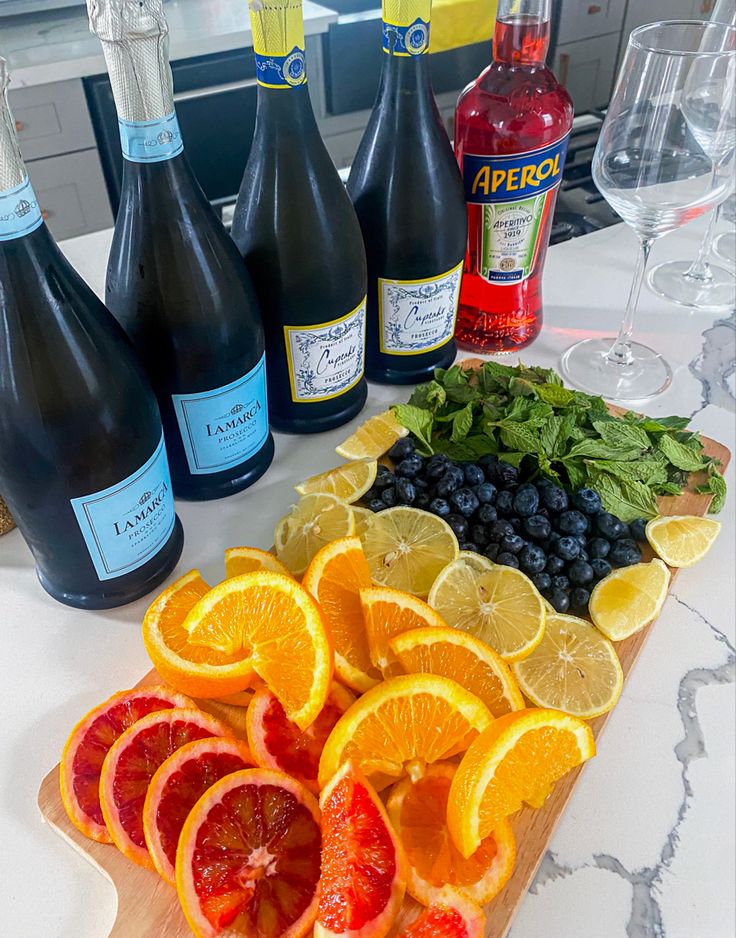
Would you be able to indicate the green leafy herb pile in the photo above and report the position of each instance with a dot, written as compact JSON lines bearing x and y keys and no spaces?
{"x":526,"y":415}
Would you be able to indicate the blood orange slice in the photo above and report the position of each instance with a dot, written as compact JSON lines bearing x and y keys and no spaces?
{"x":131,"y":763}
{"x":175,"y":788}
{"x":248,"y":860}
{"x":89,"y":743}
{"x":462,"y":919}
{"x":277,"y":743}
{"x":363,"y":864}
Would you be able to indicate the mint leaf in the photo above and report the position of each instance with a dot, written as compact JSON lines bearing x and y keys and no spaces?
{"x":419,"y":422}
{"x":471,"y":448}
{"x":576,"y":473}
{"x":716,"y":485}
{"x":658,"y":424}
{"x":596,"y":449}
{"x":462,"y":423}
{"x":516,"y":436}
{"x":680,"y":455}
{"x":555,"y":395}
{"x":621,"y":435}
{"x":430,"y":396}
{"x":519,"y":387}
{"x":651,"y":470}
{"x":626,"y":500}
{"x":554,"y":435}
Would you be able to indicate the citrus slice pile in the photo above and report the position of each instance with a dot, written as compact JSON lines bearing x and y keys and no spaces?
{"x":629,"y":599}
{"x":363,"y":865}
{"x":248,"y":860}
{"x":574,"y":669}
{"x":463,"y":920}
{"x":389,"y":612}
{"x":313,"y":522}
{"x":276,"y":743}
{"x":437,"y":870}
{"x":373,"y":438}
{"x":682,"y":540}
{"x":175,"y":788}
{"x":131,"y":763}
{"x":516,"y":760}
{"x":88,"y":744}
{"x":240,"y":560}
{"x":348,"y":482}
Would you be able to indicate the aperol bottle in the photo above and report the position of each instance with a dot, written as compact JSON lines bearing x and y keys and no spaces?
{"x":512,"y":127}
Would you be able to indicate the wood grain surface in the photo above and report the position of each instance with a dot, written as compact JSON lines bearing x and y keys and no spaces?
{"x":148,"y":906}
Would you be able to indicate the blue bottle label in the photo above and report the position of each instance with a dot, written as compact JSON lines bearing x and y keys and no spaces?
{"x":224,"y":427}
{"x":281,"y":71}
{"x":492,"y":179}
{"x":406,"y":40}
{"x":127,"y":524}
{"x":20,"y":213}
{"x":151,"y":141}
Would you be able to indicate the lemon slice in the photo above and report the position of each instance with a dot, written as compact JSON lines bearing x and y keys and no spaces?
{"x":574,"y":669}
{"x":682,"y":540}
{"x":629,"y":598}
{"x":349,"y":482}
{"x":474,"y":561}
{"x":315,"y":521}
{"x":501,"y":606}
{"x":373,"y":438}
{"x":406,"y":548}
{"x":363,"y":519}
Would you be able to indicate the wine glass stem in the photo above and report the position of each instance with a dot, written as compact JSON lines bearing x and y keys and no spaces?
{"x":700,"y":270}
{"x":620,"y":352}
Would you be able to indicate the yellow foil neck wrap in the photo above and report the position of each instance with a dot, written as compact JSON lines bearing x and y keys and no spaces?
{"x":277,"y":25}
{"x":406,"y":12}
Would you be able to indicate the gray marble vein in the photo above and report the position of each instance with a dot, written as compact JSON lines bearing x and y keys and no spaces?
{"x":715,"y":365}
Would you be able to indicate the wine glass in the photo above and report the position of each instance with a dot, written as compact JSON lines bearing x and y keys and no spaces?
{"x":665,"y":156}
{"x":725,"y":244}
{"x":700,"y":284}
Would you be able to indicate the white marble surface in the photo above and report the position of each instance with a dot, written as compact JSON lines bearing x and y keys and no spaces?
{"x":646,"y":846}
{"x":57,"y":45}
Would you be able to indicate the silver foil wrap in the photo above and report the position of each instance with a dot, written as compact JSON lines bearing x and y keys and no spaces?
{"x":12,"y":168}
{"x":134,"y":36}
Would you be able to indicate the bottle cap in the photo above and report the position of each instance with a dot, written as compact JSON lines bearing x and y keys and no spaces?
{"x":12,"y":170}
{"x":406,"y":12}
{"x":277,"y":26}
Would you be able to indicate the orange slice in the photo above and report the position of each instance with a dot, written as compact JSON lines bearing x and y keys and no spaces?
{"x":335,"y":578}
{"x":248,"y":860}
{"x":240,"y":560}
{"x":175,"y":788}
{"x":130,"y":765}
{"x":88,"y":744}
{"x":273,"y":622}
{"x":363,"y":865}
{"x":193,"y":669}
{"x":401,"y":724}
{"x":463,"y":658}
{"x":517,"y":759}
{"x":276,"y":743}
{"x":437,"y":870}
{"x":388,"y":612}
{"x":461,"y":920}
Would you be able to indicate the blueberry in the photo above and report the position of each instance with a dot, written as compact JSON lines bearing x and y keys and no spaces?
{"x":580,"y":573}
{"x":464,"y":501}
{"x":487,"y":462}
{"x":389,"y":496}
{"x":579,"y":598}
{"x":410,"y":467}
{"x":555,"y":498}
{"x":468,"y":545}
{"x":450,"y":482}
{"x":499,"y":530}
{"x":479,"y":534}
{"x":512,"y":543}
{"x":583,"y":555}
{"x":505,"y":473}
{"x":543,"y":483}
{"x":440,"y":506}
{"x":637,"y":529}
{"x":600,"y":567}
{"x":474,"y":475}
{"x":371,"y":494}
{"x":420,"y":484}
{"x":376,"y":504}
{"x":625,"y":531}
{"x":505,"y":503}
{"x":516,"y":523}
{"x":532,"y":559}
{"x":581,"y":539}
{"x":567,"y":548}
{"x":384,"y":477}
{"x":560,"y":583}
{"x":538,"y":527}
{"x":437,"y":466}
{"x":508,"y":560}
{"x":542,"y":581}
{"x":554,"y":565}
{"x":624,"y":553}
{"x":492,"y":551}
{"x":526,"y":500}
{"x":401,"y":449}
{"x":459,"y":525}
{"x":572,"y":522}
{"x":559,"y":599}
{"x":406,"y":493}
{"x":485,"y":493}
{"x":587,"y":500}
{"x":598,"y":547}
{"x":487,"y":514}
{"x":423,"y":501}
{"x":608,"y":526}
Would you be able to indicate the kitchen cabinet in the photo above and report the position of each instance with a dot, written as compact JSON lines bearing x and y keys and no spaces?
{"x":584,"y":19}
{"x":587,"y":69}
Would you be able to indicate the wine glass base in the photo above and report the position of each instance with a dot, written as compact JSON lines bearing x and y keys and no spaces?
{"x":586,"y":365}
{"x":717,"y":294}
{"x":725,"y":247}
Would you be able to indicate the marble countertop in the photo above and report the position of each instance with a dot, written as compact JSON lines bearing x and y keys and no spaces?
{"x":645,"y":848}
{"x":57,"y":45}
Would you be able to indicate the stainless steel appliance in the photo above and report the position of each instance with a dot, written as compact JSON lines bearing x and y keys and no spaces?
{"x":13,"y":7}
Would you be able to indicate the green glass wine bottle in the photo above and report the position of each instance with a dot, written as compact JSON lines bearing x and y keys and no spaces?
{"x":408,"y":193}
{"x":298,"y":233}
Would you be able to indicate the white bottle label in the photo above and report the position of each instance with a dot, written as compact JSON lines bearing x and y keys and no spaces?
{"x":326,"y":360}
{"x":510,"y":242}
{"x":417,"y":316}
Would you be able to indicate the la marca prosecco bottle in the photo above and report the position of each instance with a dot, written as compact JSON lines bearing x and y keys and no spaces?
{"x":512,"y":126}
{"x":175,"y":280}
{"x":83,"y":463}
{"x":300,"y":239}
{"x":409,"y":197}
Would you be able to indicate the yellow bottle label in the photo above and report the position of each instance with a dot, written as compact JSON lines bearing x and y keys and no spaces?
{"x":278,"y":42}
{"x":418,"y":316}
{"x":406,"y":26}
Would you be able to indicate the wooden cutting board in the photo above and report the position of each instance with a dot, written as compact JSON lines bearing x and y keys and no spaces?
{"x":148,"y":906}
